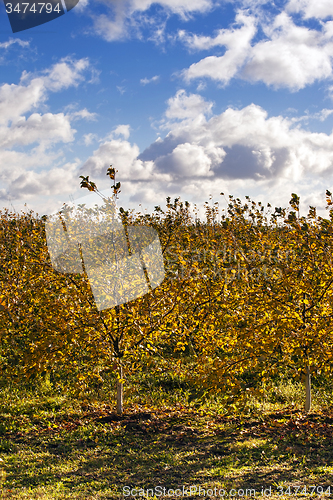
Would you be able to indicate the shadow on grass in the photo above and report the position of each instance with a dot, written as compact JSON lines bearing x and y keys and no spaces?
{"x":96,"y":454}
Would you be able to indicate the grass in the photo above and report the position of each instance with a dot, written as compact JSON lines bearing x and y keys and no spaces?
{"x":54,"y":447}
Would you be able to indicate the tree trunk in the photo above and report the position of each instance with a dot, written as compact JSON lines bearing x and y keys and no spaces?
{"x":308,"y":389}
{"x":120,"y":390}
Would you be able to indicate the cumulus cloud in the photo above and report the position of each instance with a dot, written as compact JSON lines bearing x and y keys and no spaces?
{"x":116,"y":152}
{"x":28,"y":137}
{"x":289,"y":55}
{"x":186,"y":160}
{"x":234,"y":38}
{"x":183,"y":106}
{"x":119,"y":152}
{"x":295,"y":56}
{"x":32,"y":91}
{"x":123,"y":130}
{"x":237,"y":42}
{"x":42,"y":129}
{"x":320,"y":9}
{"x":241,"y":144}
{"x":323,"y":114}
{"x":48,"y":182}
{"x":66,"y":73}
{"x":238,"y":150}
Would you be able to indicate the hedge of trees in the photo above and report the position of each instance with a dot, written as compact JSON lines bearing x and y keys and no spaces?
{"x":247,"y":290}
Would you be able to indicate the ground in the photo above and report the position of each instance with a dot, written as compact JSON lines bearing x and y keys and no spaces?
{"x":51,"y":448}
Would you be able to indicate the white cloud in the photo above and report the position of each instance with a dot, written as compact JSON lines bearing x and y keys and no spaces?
{"x":31,"y":92}
{"x":145,"y":81}
{"x":13,"y":41}
{"x":290,"y":55}
{"x":182,"y":106}
{"x":237,"y":42}
{"x":240,"y":151}
{"x":110,"y":29}
{"x":186,"y":160}
{"x":125,"y":156}
{"x":28,"y":157}
{"x":234,"y":38}
{"x":48,"y":182}
{"x":321,"y":115}
{"x":319,"y":9}
{"x":124,"y":18}
{"x":295,"y":56}
{"x":123,"y":130}
{"x":177,"y":6}
{"x":89,"y":138}
{"x":83,"y":114}
{"x":201,"y":86}
{"x":43,"y":129}
{"x":66,"y":73}
{"x":121,"y":153}
{"x":243,"y":149}
{"x":115,"y":152}
{"x":81,"y":6}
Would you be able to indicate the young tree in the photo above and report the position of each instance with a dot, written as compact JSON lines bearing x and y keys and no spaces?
{"x":62,"y":317}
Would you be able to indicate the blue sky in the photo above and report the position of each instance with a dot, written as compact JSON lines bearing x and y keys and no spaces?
{"x":185,"y":98}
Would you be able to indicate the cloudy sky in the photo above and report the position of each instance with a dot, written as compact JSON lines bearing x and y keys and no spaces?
{"x":185,"y":98}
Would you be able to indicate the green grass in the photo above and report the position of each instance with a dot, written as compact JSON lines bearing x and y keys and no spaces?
{"x":54,"y":447}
